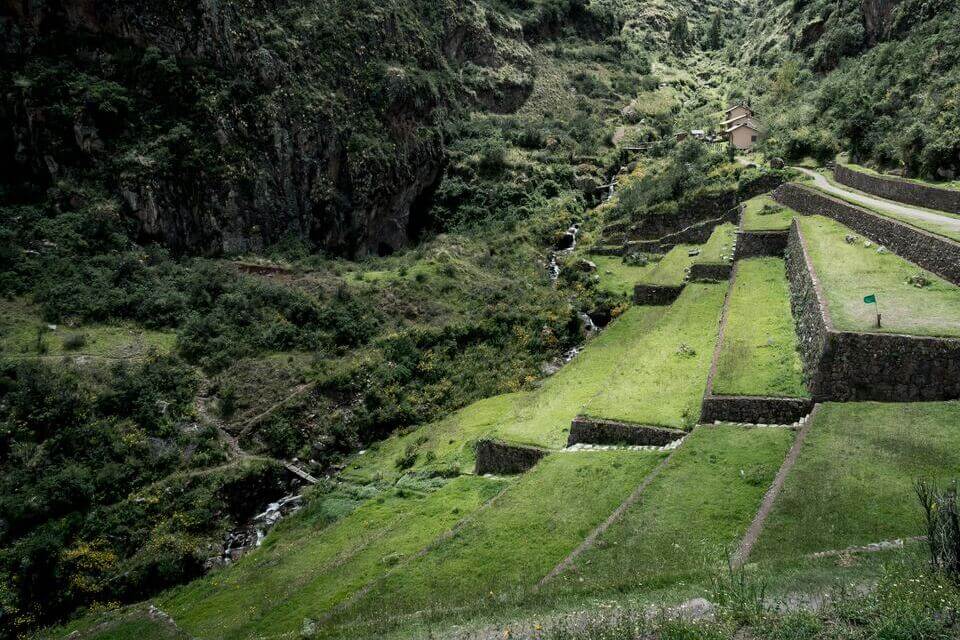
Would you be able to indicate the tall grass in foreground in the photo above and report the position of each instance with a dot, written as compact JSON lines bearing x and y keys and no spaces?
{"x":941,"y":506}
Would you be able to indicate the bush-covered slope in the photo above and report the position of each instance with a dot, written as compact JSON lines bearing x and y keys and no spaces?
{"x":879,"y":79}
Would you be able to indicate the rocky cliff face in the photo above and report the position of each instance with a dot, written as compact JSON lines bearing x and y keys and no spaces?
{"x":225,"y":126}
{"x":877,"y":18}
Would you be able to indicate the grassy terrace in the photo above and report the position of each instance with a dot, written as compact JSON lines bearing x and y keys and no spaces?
{"x":849,"y":272}
{"x":691,"y":515}
{"x":504,"y":551}
{"x":133,"y":623}
{"x":308,"y":569}
{"x":759,"y":352}
{"x":539,"y":417}
{"x":853,"y":482}
{"x":671,"y":270}
{"x":764,"y":214}
{"x":21,"y":330}
{"x":617,"y":277}
{"x":662,"y":377}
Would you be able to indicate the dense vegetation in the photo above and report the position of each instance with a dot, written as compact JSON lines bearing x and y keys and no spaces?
{"x":85,"y":462}
{"x":878,"y":80}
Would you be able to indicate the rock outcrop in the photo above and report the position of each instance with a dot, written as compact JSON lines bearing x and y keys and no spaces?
{"x":877,"y":18}
{"x":224,"y":127}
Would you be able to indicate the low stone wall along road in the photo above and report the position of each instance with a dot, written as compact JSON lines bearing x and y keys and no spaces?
{"x":881,"y":205}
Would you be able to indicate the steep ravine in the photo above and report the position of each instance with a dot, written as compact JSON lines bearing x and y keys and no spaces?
{"x":226,"y":128}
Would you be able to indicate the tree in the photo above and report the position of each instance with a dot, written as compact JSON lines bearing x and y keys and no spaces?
{"x":680,"y":32}
{"x":715,"y":34}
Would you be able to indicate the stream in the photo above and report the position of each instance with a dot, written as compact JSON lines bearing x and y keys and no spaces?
{"x":241,"y":540}
{"x":568,"y":245}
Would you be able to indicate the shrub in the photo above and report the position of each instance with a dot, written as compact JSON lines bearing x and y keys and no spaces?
{"x":228,"y":402}
{"x":406,"y":459}
{"x":941,"y":507}
{"x":74,"y":341}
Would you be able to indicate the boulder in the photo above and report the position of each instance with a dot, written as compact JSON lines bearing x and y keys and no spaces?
{"x":584,"y":265}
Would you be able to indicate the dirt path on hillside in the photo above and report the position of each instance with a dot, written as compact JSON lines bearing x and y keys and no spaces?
{"x":591,"y":539}
{"x":756,"y":527}
{"x":879,"y":204}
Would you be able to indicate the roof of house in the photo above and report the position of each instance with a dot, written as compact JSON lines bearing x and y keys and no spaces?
{"x":740,"y":104}
{"x":737,"y":118}
{"x":750,"y":124}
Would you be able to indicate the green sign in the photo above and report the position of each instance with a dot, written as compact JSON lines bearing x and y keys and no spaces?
{"x":871,"y":299}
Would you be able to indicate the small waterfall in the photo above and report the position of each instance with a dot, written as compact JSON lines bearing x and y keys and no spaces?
{"x":239,"y":541}
{"x":568,"y":245}
{"x":588,"y":322}
{"x":611,"y":190}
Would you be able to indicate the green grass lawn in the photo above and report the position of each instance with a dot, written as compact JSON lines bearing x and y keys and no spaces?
{"x":671,"y":270}
{"x":759,"y":354}
{"x":132,"y":623}
{"x":933,"y":226}
{"x":617,"y":277}
{"x":763,"y":213}
{"x":849,"y":272}
{"x":506,"y":549}
{"x":719,"y":247}
{"x":853,"y":482}
{"x":304,"y":569}
{"x":689,"y":518}
{"x":662,"y":377}
{"x":541,"y":417}
{"x":21,"y":329}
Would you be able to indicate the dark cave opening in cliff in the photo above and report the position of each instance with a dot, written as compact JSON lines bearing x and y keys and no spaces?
{"x":421,"y":220}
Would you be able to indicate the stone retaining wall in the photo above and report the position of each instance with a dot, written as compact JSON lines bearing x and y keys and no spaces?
{"x":932,"y":252}
{"x":755,"y":244}
{"x":892,"y":188}
{"x":704,"y":208}
{"x":502,"y":458}
{"x":596,"y":431}
{"x":695,"y":234}
{"x":810,"y":317}
{"x":848,"y":366}
{"x":656,"y":294}
{"x":754,"y":409}
{"x":606,"y":251}
{"x":710,"y":271}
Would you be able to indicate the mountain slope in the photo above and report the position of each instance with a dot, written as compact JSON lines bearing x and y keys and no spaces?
{"x":878,"y":79}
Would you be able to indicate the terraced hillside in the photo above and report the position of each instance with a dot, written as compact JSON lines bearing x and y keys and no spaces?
{"x":493,"y":353}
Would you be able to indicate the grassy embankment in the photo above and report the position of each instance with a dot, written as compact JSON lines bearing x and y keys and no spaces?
{"x":541,"y":417}
{"x":23,"y":334}
{"x":316,"y":565}
{"x":618,"y":277}
{"x":759,"y":352}
{"x":689,"y":518}
{"x":662,"y":378}
{"x":853,"y":482}
{"x":501,"y":554}
{"x":851,"y":271}
{"x":763,"y":213}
